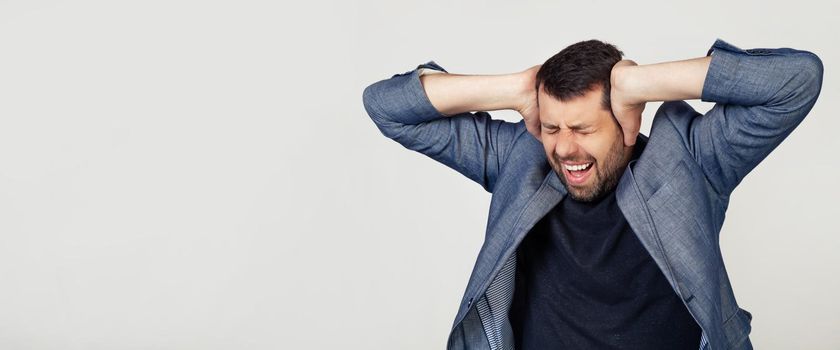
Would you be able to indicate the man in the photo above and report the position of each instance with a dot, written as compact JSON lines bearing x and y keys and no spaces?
{"x":598,"y":236}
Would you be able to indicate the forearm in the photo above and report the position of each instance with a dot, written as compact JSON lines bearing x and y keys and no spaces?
{"x":668,"y":81}
{"x":452,"y":94}
{"x":761,"y":95}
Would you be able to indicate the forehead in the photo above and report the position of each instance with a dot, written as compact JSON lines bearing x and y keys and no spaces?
{"x":577,"y":111}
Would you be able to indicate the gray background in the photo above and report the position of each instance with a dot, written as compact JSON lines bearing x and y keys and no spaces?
{"x":202,"y":174}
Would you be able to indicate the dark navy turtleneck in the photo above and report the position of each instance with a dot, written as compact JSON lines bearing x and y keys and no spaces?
{"x":584,"y":281}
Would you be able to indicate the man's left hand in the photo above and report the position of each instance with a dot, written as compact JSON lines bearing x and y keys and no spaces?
{"x":627,"y":111}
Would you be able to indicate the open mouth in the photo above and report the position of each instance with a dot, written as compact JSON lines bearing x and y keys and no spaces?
{"x":577,"y":174}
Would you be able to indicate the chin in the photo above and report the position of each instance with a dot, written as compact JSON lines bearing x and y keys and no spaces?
{"x":583,"y":197}
{"x":581,"y":194}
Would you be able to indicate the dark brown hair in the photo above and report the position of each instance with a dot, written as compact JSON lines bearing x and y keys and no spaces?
{"x":577,"y":69}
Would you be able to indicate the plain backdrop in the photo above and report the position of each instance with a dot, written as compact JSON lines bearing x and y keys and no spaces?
{"x":189,"y":174}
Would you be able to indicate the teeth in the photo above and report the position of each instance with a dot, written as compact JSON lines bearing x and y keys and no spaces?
{"x":577,"y":167}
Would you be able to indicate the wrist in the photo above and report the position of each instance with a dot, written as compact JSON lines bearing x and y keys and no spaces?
{"x":524,"y":93}
{"x":623,"y":81}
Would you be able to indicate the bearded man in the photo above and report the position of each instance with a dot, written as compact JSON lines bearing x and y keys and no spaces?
{"x":600,"y":237}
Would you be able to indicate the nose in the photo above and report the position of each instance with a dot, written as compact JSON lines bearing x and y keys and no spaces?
{"x":566,"y":147}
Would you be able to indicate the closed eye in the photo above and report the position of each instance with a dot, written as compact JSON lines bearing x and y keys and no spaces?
{"x":579,"y":132}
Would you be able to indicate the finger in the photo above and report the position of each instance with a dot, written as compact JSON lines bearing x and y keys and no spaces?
{"x":631,"y":131}
{"x":626,"y":129}
{"x":629,"y":138}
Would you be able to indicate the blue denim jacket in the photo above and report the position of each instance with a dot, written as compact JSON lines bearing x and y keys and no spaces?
{"x":674,"y":196}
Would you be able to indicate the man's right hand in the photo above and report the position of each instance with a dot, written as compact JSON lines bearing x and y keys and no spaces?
{"x":528,"y":106}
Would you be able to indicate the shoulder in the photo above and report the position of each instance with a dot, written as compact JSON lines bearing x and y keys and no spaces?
{"x":667,"y":146}
{"x":526,"y":148}
{"x":678,"y":113}
{"x":526,"y":160}
{"x":672,"y":126}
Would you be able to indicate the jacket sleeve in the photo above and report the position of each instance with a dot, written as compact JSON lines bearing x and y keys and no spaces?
{"x":471,"y":143}
{"x":760,"y":96}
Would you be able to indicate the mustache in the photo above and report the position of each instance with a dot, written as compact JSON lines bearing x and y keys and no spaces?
{"x":574,"y":160}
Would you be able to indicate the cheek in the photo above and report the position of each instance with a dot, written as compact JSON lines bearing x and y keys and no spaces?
{"x":595,"y":147}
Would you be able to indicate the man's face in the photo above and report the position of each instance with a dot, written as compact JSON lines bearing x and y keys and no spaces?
{"x":583,"y":143}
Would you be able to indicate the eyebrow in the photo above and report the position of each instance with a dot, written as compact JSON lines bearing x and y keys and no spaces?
{"x":571,"y":127}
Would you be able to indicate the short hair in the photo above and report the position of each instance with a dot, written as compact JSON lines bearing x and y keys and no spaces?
{"x":579,"y":68}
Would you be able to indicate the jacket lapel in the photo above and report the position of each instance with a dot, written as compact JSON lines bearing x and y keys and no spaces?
{"x":637,"y":214}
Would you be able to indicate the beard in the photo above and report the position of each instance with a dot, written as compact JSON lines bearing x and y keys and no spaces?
{"x":605,"y":177}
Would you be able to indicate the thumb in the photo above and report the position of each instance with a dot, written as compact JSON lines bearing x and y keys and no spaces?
{"x":631,"y":131}
{"x":534,"y":131}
